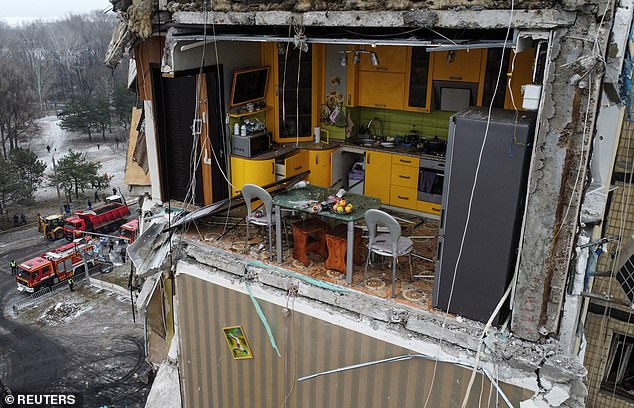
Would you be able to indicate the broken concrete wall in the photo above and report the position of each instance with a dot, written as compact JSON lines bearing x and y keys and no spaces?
{"x":345,"y":5}
{"x":572,"y":89}
{"x":543,"y":368}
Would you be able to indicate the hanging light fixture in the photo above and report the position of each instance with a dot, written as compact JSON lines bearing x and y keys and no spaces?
{"x":356,"y":58}
{"x":343,"y":58}
{"x":374,"y":59}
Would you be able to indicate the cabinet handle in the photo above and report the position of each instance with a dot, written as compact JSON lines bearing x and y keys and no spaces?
{"x":457,"y":78}
{"x":316,"y":158}
{"x":381,"y":68}
{"x":404,"y":161}
{"x":403,"y":198}
{"x":368,"y":157}
{"x":441,"y":165}
{"x":297,"y":168}
{"x":436,"y":209}
{"x":273,"y":167}
{"x":349,"y":99}
{"x":380,"y":105}
{"x":404,"y":177}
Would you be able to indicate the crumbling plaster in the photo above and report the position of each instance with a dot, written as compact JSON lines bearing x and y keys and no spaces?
{"x":455,"y":19}
{"x":538,"y":366}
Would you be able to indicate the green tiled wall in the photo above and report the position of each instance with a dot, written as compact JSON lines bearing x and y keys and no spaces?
{"x":397,"y":122}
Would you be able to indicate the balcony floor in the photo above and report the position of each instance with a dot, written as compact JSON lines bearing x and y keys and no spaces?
{"x":416,"y":293}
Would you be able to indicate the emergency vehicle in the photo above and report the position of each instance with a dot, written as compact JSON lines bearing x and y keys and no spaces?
{"x":53,"y":267}
{"x":130,"y":230}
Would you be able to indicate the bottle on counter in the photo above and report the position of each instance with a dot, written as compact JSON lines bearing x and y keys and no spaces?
{"x":236,"y":129}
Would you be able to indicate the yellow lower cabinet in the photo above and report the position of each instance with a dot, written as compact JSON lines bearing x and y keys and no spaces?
{"x":319,"y":164}
{"x":296,"y":163}
{"x":403,"y":197}
{"x":431,"y":208}
{"x":245,"y":171}
{"x":378,"y":170}
{"x":404,"y":176}
{"x":237,"y":174}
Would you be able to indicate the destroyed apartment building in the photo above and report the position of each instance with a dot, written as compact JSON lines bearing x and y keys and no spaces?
{"x":383,"y":203}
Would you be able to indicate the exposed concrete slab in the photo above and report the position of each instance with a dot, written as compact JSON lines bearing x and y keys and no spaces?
{"x":457,"y":19}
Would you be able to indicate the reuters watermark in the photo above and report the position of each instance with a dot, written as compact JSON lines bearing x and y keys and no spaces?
{"x":42,"y":400}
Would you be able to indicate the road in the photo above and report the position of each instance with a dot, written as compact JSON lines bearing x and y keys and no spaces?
{"x":95,"y":351}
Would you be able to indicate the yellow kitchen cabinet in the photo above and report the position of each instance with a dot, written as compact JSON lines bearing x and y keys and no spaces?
{"x":381,"y":89}
{"x":378,"y":170}
{"x":405,"y":160}
{"x":391,"y":59}
{"x":522,"y":74}
{"x":245,"y":171}
{"x":458,"y":65}
{"x":404,"y":176}
{"x":319,"y":164}
{"x":296,"y":163}
{"x":403,"y":197}
{"x":425,"y":206}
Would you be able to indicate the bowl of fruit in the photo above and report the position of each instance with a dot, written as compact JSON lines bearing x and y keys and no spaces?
{"x":341,"y":206}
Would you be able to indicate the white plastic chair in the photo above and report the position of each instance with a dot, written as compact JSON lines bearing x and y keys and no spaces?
{"x":251,"y":192}
{"x":390,"y":244}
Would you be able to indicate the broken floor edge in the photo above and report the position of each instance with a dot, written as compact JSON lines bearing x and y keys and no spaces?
{"x":517,"y":361}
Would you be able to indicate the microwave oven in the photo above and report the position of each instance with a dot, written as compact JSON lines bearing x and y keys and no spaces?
{"x":251,"y":144}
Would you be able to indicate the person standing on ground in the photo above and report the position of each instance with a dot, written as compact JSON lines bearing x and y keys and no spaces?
{"x":15,"y":220}
{"x":114,"y":191}
{"x":14,"y":267}
{"x":116,"y":140}
{"x":89,"y":204}
{"x":23,"y":219}
{"x":97,"y":146}
{"x":96,"y":196}
{"x":71,"y":284}
{"x":48,"y":148}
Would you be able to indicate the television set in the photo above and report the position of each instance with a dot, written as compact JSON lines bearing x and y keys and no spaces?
{"x":249,"y":85}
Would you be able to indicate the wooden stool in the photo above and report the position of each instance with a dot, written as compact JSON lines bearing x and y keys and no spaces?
{"x":336,"y":242}
{"x":309,"y":236}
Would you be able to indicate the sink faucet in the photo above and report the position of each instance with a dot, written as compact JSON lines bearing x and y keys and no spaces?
{"x":369,"y":127}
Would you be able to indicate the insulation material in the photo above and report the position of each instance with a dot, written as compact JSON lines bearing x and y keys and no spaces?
{"x":136,"y":169}
{"x":140,"y":17}
{"x":121,"y":39}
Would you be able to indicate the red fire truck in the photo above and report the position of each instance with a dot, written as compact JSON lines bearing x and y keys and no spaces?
{"x":52,"y":267}
{"x":130,"y":230}
{"x":106,"y":218}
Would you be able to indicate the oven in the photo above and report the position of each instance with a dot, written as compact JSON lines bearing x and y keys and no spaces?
{"x":431,"y":177}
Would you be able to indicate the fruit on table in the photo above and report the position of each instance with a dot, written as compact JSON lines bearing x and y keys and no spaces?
{"x":342,"y":206}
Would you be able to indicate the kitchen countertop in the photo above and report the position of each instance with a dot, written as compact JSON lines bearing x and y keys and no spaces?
{"x":281,"y":150}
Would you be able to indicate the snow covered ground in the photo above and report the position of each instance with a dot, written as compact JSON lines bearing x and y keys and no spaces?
{"x":111,"y":157}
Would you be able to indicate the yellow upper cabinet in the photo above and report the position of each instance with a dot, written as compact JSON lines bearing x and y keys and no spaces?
{"x":522,"y":74}
{"x":381,"y":89}
{"x":319,"y":164}
{"x":390,"y":58}
{"x":378,"y":175}
{"x":458,"y":65}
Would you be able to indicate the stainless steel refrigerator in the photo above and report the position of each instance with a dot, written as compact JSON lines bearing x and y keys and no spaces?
{"x":489,"y":253}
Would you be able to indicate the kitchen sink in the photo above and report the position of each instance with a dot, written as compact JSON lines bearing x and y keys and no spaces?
{"x":363,"y":141}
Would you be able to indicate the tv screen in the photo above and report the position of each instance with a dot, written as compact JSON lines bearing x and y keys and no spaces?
{"x":249,"y":85}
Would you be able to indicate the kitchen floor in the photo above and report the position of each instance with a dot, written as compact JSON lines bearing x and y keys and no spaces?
{"x":416,"y":293}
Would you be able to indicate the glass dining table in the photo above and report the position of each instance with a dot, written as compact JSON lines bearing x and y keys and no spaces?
{"x":299,"y":199}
